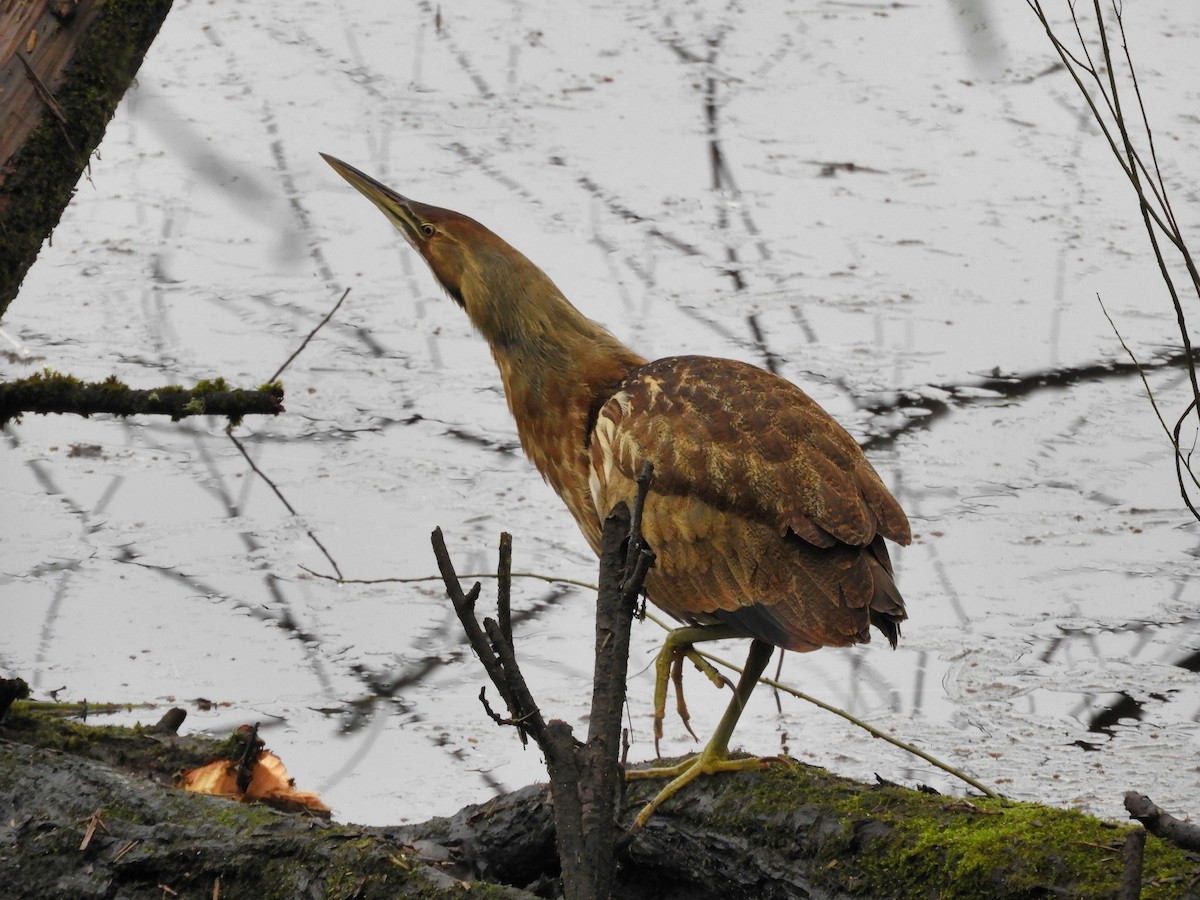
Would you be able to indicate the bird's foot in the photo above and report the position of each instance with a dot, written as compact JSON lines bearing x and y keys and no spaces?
{"x":669,"y":667}
{"x":708,"y":762}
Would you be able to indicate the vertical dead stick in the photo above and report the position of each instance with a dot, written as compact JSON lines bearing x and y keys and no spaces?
{"x":585,"y":779}
{"x":601,"y":783}
{"x":624,"y":561}
{"x":504,"y":588}
{"x":464,"y":606}
{"x":1131,"y":877}
{"x":638,"y":555}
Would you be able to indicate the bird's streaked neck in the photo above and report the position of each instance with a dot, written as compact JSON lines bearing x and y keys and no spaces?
{"x":534,"y":332}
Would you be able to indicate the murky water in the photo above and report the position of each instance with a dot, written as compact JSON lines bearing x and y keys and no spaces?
{"x":1053,"y":645}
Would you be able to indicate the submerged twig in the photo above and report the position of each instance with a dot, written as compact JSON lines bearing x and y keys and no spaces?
{"x":263,"y":475}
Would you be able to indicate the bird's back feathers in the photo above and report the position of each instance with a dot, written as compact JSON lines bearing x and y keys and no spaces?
{"x":764,"y":513}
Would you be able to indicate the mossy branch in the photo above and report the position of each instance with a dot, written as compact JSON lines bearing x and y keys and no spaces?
{"x":53,"y":392}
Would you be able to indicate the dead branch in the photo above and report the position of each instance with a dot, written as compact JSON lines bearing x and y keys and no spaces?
{"x":1154,"y":203}
{"x":585,"y":779}
{"x":1161,"y":823}
{"x":1132,"y":855}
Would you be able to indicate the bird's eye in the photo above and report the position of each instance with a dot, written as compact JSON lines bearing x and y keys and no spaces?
{"x":427,"y":229}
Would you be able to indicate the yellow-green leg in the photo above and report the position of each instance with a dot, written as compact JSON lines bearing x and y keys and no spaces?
{"x":715,"y":755}
{"x":668,"y":669}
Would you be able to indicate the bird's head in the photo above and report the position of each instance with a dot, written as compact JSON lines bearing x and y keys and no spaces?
{"x":492,"y":281}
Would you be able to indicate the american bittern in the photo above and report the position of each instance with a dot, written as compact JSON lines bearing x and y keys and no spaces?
{"x":767,"y":520}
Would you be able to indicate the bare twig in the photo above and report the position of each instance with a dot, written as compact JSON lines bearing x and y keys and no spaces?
{"x":419,"y":579}
{"x":528,"y":721}
{"x":774,"y":683}
{"x":1181,"y":462}
{"x":282,"y":499}
{"x":849,"y":717}
{"x":1154,"y":204}
{"x":287,"y":362}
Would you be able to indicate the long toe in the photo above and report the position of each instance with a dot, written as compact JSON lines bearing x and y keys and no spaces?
{"x":688,"y":771}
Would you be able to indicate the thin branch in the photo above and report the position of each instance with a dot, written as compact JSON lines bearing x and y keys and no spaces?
{"x":1157,"y":216}
{"x":282,"y":499}
{"x":526,"y":714}
{"x":849,"y":717}
{"x":287,"y":362}
{"x":585,"y":779}
{"x":1073,"y":66}
{"x":1160,"y":191}
{"x":528,"y":720}
{"x":1181,"y":462}
{"x":419,"y":579}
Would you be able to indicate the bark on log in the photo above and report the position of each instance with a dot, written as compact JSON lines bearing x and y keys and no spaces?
{"x":783,"y":832}
{"x":57,"y":778}
{"x":64,"y":66}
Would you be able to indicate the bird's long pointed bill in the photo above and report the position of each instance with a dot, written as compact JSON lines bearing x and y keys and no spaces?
{"x":393,"y":205}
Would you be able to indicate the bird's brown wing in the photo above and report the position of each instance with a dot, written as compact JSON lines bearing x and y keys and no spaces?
{"x":763,"y":513}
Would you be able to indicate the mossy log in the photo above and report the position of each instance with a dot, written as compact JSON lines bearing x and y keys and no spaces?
{"x":788,"y":831}
{"x":89,"y":812}
{"x":64,"y":66}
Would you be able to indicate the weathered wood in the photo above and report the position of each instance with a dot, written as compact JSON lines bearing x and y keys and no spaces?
{"x":64,"y":66}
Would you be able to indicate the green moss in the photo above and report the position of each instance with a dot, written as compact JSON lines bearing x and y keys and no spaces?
{"x":894,"y":842}
{"x":241,"y":816}
{"x":121,"y":812}
{"x":53,"y":392}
